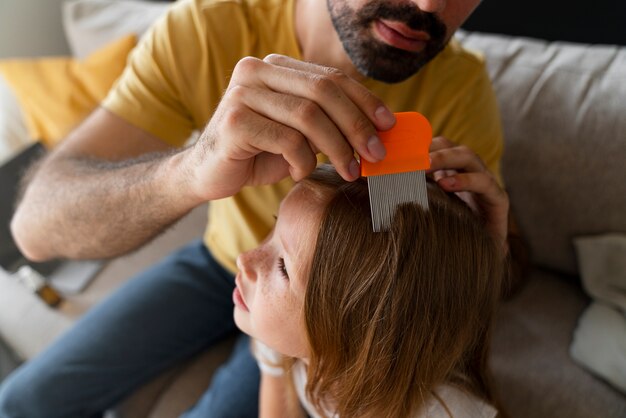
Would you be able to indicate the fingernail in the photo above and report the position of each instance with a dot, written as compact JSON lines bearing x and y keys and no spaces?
{"x":430,"y":165}
{"x":385,"y":117}
{"x":376,"y":148}
{"x":449,"y":181}
{"x":355,"y":170}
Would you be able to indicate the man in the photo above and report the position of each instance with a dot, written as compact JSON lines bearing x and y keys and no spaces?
{"x":271,"y":83}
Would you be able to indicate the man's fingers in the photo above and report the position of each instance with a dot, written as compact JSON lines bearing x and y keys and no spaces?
{"x":305,"y":117}
{"x":382,"y":118}
{"x":333,"y":113}
{"x":459,"y":158}
{"x":493,"y":201}
{"x":351,"y":107}
{"x":280,"y":169}
{"x":355,"y":127}
{"x":438,"y":175}
{"x":440,"y":142}
{"x":256,"y":134}
{"x":483,"y":184}
{"x":291,"y":144}
{"x":458,"y":169}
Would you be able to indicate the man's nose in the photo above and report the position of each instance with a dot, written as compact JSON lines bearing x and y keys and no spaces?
{"x":431,"y":6}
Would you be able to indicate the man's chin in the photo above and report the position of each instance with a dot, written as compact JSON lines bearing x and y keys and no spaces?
{"x":394,"y":67}
{"x":387,"y":75}
{"x":387,"y":64}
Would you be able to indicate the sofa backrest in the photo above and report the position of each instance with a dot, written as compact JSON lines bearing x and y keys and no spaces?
{"x":563,"y":108}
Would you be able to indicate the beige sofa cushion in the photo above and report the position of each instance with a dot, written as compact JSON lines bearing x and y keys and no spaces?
{"x":564,"y":115}
{"x":534,"y":375}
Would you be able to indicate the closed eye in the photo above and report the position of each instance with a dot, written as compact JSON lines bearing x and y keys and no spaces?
{"x":282,"y":268}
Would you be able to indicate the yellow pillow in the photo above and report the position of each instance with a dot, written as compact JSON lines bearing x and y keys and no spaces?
{"x":56,"y":94}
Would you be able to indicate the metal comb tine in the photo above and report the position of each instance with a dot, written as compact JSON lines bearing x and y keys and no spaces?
{"x":388,"y":191}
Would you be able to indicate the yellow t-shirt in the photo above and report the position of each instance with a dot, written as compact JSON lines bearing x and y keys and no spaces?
{"x":176,"y":76}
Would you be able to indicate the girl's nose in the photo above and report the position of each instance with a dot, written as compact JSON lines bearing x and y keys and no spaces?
{"x":245,"y":265}
{"x":254,"y":263}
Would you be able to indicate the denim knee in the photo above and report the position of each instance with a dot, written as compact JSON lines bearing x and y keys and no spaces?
{"x":23,"y":395}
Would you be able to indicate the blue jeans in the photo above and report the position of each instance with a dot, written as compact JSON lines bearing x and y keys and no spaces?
{"x":163,"y":316}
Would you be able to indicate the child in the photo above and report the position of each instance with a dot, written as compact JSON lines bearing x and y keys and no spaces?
{"x":390,"y":324}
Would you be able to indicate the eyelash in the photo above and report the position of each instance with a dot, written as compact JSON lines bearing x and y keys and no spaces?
{"x":282,"y":268}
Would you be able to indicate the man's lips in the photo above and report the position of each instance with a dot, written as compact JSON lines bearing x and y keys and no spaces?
{"x":400,"y":36}
{"x":238,"y":297}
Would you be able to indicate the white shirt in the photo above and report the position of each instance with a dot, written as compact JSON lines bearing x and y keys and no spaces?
{"x":461,"y":404}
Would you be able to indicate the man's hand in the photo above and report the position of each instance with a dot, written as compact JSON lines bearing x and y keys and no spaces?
{"x":458,"y":169}
{"x":275,"y":116}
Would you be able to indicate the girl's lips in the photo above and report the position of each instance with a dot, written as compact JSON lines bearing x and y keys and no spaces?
{"x":238,"y":299}
{"x":400,"y":36}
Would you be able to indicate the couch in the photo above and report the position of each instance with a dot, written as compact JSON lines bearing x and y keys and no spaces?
{"x":562,"y":107}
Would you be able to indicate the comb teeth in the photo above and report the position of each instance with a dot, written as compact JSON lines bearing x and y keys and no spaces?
{"x":387,"y":191}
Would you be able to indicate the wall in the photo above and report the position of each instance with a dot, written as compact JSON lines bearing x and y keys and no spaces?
{"x":31,"y":28}
{"x":596,"y":22}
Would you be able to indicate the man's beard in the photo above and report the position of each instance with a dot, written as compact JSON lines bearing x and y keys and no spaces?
{"x":374,"y":58}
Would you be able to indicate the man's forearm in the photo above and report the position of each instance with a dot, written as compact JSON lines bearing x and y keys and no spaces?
{"x":83,"y":208}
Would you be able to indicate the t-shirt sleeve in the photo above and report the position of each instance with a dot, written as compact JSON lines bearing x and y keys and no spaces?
{"x":150,"y":92}
{"x":477,"y":121}
{"x":462,"y":105}
{"x":479,"y":126}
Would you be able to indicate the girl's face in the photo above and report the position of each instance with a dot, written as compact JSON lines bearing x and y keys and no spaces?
{"x":272,"y":278}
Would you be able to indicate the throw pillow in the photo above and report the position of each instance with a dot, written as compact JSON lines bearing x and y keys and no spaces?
{"x":13,"y":133}
{"x":56,"y":94}
{"x":90,"y":24}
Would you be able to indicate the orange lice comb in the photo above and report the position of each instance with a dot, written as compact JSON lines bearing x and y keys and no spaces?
{"x":400,"y":177}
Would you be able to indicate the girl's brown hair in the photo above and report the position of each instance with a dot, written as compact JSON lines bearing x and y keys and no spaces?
{"x":392,"y":315}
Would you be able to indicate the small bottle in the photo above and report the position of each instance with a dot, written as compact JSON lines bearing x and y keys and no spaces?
{"x":35,"y":282}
